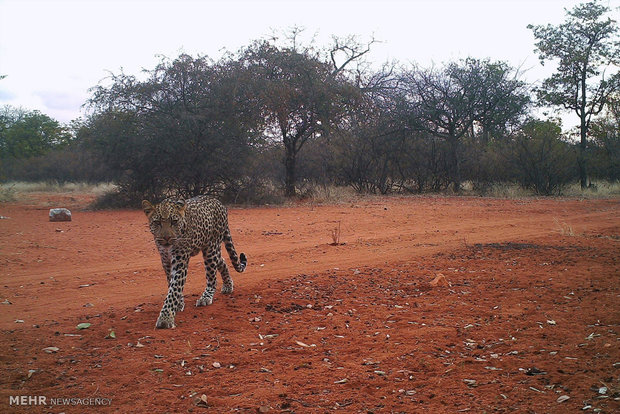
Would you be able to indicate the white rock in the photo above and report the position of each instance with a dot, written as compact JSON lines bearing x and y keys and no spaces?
{"x":60,"y":214}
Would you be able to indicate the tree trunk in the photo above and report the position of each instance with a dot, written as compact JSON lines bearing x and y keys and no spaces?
{"x":289,"y":169}
{"x":581,"y":158}
{"x":455,"y":167}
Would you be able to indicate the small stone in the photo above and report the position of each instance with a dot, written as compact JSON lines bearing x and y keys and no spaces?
{"x":217,"y":365}
{"x":470,"y":382}
{"x":440,"y":280}
{"x":60,"y":214}
{"x":563,"y":398}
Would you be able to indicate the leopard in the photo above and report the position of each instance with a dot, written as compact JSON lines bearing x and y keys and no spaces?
{"x":182,"y":229}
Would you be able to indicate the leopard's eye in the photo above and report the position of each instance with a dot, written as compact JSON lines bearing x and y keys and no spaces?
{"x":174,"y":222}
{"x":157,"y":222}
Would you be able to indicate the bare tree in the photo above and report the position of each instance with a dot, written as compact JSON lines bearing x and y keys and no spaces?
{"x":305,"y":93}
{"x":449,"y":103}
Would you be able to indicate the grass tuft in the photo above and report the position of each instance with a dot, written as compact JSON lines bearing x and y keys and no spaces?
{"x":564,"y":228}
{"x":7,"y":193}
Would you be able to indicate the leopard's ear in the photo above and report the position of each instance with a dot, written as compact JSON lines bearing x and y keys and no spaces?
{"x":180,"y":205}
{"x":148,"y":208}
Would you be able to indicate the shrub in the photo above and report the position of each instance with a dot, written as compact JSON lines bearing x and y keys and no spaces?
{"x":541,"y":160}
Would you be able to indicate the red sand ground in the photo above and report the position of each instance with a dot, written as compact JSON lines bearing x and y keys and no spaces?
{"x":530,"y":313}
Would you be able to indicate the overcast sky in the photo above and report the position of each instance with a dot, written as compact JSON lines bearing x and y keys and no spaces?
{"x":53,"y":51}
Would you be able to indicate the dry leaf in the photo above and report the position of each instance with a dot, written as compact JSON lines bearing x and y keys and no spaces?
{"x":201,"y":401}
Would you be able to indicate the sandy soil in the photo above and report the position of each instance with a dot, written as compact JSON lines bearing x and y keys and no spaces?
{"x":526,"y":317}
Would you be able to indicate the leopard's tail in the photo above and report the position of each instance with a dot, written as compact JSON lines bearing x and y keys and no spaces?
{"x":239,"y":262}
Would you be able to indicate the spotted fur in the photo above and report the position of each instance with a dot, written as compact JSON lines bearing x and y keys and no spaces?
{"x":183,"y":229}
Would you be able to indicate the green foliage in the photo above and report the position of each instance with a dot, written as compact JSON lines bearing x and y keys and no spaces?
{"x":25,"y":134}
{"x":541,"y":159}
{"x":188,"y":128}
{"x":453,"y":102}
{"x":586,"y":48}
{"x":605,"y":146}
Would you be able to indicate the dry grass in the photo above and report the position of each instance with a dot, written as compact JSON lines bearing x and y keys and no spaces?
{"x":501,"y":190}
{"x":564,"y":228}
{"x":320,"y":194}
{"x":7,"y":193}
{"x":18,"y":187}
{"x":598,"y":189}
{"x":336,"y":235}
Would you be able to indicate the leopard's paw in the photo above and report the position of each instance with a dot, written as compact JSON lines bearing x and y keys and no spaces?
{"x":165,"y":323}
{"x":165,"y":320}
{"x":204,"y":302}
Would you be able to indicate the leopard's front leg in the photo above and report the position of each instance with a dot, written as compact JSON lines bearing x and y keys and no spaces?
{"x":166,"y":261}
{"x":174,"y":299}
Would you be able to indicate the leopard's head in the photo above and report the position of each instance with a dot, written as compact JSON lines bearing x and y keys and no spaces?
{"x":166,"y":220}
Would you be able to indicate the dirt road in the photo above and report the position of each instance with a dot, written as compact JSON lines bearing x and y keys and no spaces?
{"x":530,"y":314}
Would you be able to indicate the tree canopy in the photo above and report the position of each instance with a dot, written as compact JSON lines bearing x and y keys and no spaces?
{"x":25,"y":134}
{"x":461,"y":97}
{"x":586,"y":48}
{"x":187,"y":126}
{"x":303,"y":95}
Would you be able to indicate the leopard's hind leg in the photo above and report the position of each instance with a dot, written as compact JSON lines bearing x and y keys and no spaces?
{"x":228,"y":285}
